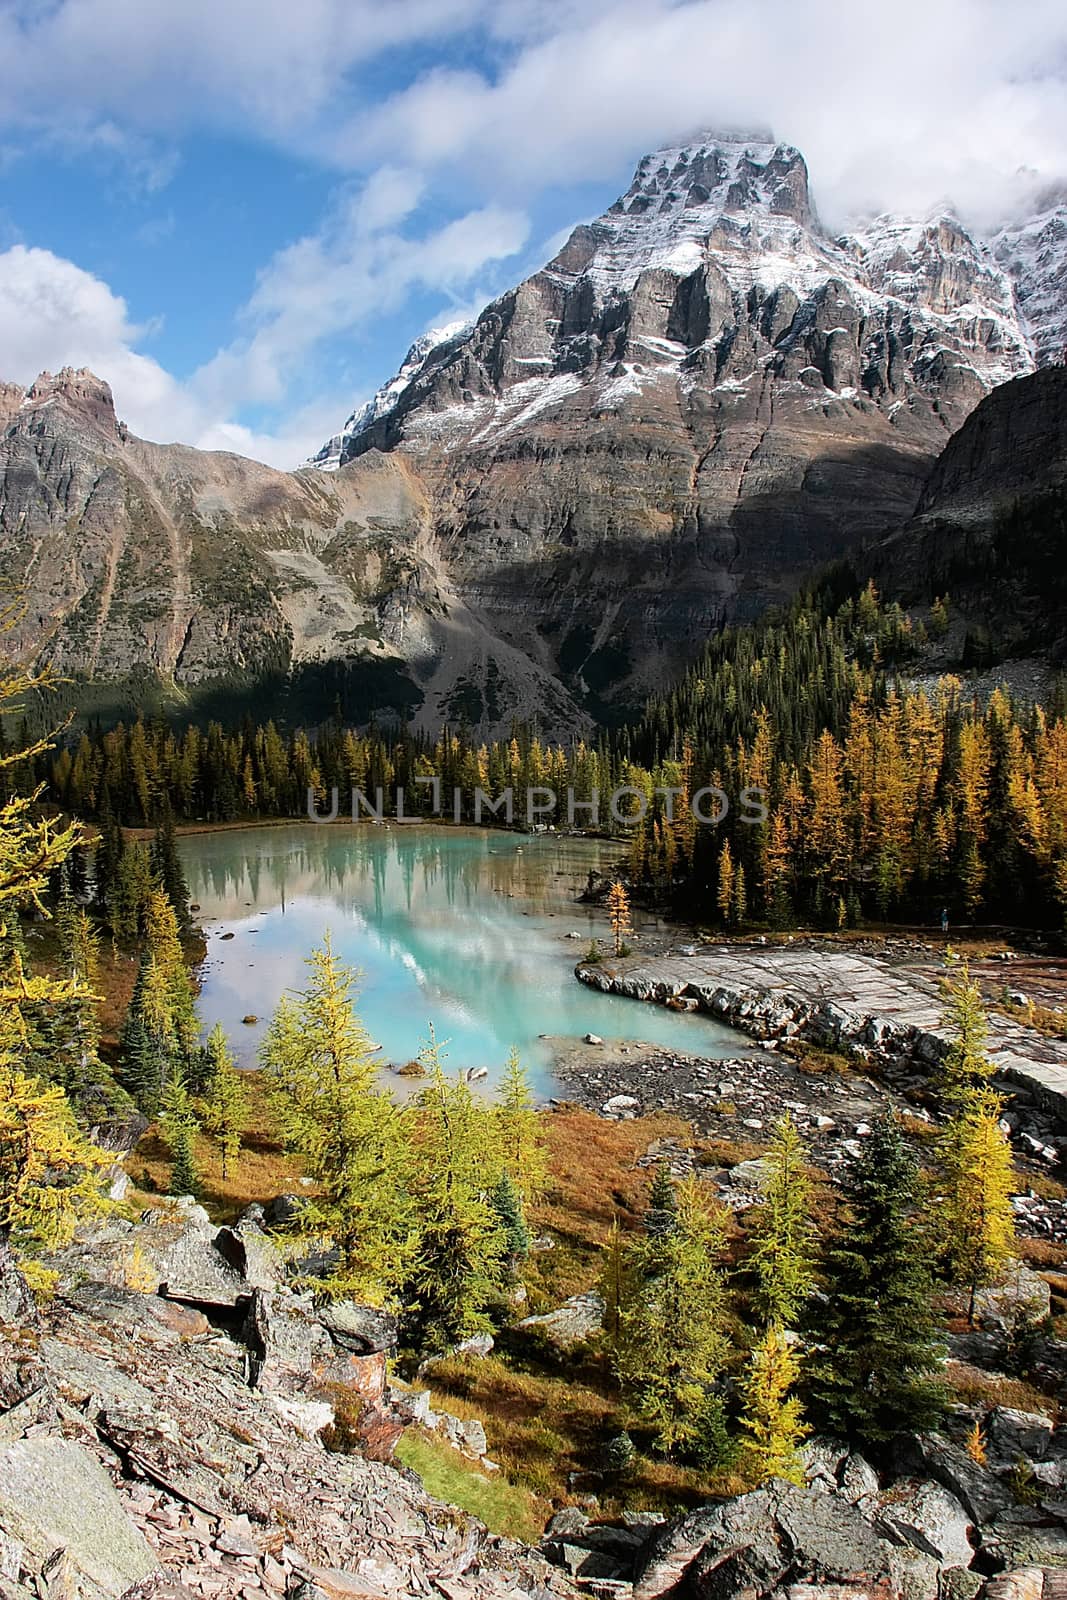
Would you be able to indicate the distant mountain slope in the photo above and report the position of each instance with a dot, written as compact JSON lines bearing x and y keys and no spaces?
{"x":155,"y":572}
{"x":702,"y":400}
{"x":991,"y":526}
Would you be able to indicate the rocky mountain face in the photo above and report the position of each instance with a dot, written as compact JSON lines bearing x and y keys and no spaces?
{"x":702,"y":399}
{"x":148,"y":569}
{"x":990,"y":526}
{"x":699,"y":400}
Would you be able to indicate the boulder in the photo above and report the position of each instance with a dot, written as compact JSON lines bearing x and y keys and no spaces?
{"x":930,"y":1519}
{"x":1023,"y":1297}
{"x":299,"y":1356}
{"x":1025,"y":1583}
{"x":251,"y":1252}
{"x":1025,"y":1536}
{"x":754,"y":1174}
{"x":931,"y":1455}
{"x":752,"y":1544}
{"x":580,"y":1560}
{"x":1014,"y":1433}
{"x":55,"y":1496}
{"x":170,"y":1251}
{"x":364,"y":1330}
{"x":282,"y":1211}
{"x":959,"y":1583}
{"x":144,"y":1315}
{"x":571,"y":1520}
{"x":620,"y":1105}
{"x":578,"y":1318}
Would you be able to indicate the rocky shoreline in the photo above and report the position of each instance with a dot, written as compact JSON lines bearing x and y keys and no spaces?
{"x":886,"y":1015}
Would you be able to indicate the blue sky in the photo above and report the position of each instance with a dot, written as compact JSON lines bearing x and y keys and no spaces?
{"x":242,"y":213}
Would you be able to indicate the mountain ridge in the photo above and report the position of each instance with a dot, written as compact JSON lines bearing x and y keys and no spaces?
{"x":699,"y":402}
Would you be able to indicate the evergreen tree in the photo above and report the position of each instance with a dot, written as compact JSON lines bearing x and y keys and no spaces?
{"x":224,"y":1106}
{"x":519,"y":1142}
{"x":168,"y":870}
{"x":672,"y":1343}
{"x":662,"y":1213}
{"x":878,"y":1343}
{"x":127,"y":893}
{"x":141,"y":1072}
{"x":319,"y":1060}
{"x":771,"y":1414}
{"x":506,"y":1202}
{"x":184,"y":1178}
{"x":783,"y":1232}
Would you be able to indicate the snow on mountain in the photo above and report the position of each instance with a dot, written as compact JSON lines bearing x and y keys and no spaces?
{"x":1034,"y":254}
{"x":734,"y":216}
{"x":328,"y":459}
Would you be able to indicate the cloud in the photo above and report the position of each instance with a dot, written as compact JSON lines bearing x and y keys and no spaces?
{"x":53,"y":313}
{"x":332,"y":282}
{"x":893,"y":109}
{"x":262,"y":66}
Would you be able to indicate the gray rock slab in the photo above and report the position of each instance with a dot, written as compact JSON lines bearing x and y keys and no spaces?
{"x":55,"y":1496}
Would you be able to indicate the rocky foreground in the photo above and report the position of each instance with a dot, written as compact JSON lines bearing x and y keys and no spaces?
{"x":178,"y":1423}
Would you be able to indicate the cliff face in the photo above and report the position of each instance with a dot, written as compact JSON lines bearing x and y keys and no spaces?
{"x":163,"y":568}
{"x":991,"y":525}
{"x":701,"y":399}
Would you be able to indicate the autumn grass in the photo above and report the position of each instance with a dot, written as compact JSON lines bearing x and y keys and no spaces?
{"x":595,"y":1179}
{"x":262,"y":1170}
{"x":1047,"y":1020}
{"x":547,"y":1415}
{"x":504,"y":1507}
{"x":820,"y":1062}
{"x":973,"y":1387}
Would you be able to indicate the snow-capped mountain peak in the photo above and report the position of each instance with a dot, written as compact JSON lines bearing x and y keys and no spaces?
{"x":713,"y":268}
{"x":1034,"y":254}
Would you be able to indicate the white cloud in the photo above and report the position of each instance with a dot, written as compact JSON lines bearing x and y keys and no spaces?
{"x":895,"y":108}
{"x":53,"y":314}
{"x":332,"y":282}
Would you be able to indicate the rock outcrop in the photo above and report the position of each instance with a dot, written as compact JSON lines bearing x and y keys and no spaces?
{"x":155,"y":1450}
{"x":988,"y":529}
{"x":157,"y":572}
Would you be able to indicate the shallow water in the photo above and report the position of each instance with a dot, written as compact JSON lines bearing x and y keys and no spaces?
{"x":462,"y":928}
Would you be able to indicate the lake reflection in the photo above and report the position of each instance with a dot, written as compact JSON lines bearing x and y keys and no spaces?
{"x":458,"y":927}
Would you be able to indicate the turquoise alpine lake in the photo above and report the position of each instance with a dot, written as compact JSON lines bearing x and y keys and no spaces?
{"x":469,"y":931}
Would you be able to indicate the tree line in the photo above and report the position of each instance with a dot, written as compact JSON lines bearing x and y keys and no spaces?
{"x":886,"y":797}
